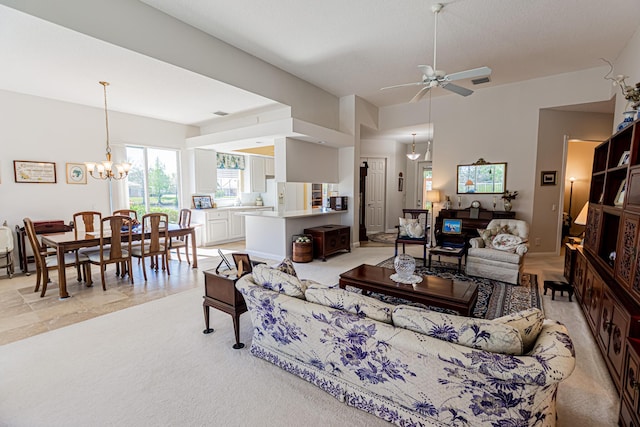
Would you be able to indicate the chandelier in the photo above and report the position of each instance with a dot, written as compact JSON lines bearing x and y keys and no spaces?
{"x":413,"y":155}
{"x":107,"y":169}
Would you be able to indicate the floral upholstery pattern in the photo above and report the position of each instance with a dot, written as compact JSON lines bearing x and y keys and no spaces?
{"x":506,"y":242}
{"x":467,"y":331}
{"x":286,"y":266}
{"x":528,"y":323}
{"x":279,"y":281}
{"x":351,"y":302}
{"x":487,"y":235}
{"x":406,"y":377}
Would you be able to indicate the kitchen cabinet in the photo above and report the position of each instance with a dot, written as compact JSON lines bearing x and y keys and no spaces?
{"x":269,"y":167}
{"x":255,"y":180}
{"x":222,"y":225}
{"x":236,"y":225}
{"x":205,"y":171}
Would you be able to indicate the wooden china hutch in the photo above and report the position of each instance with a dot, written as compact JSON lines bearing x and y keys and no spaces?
{"x":605,"y":272}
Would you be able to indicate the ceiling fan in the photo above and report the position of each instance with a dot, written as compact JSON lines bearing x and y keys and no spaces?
{"x":432,"y":77}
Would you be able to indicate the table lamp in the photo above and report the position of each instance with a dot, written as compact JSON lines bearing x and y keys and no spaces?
{"x":581,"y":219}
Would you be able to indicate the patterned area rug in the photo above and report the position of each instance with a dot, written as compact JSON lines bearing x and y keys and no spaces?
{"x":495,"y":298}
{"x":389,"y":238}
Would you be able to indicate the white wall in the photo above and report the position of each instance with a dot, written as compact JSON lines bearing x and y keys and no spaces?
{"x":41,"y":129}
{"x":627,"y":63}
{"x":499,"y":124}
{"x":309,"y":162}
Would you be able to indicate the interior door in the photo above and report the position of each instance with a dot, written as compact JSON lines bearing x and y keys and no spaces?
{"x":375,"y":195}
{"x":424,"y":184}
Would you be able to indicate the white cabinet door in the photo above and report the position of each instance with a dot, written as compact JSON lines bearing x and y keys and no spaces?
{"x":205,"y":171}
{"x":269,"y":166}
{"x":236,"y":225}
{"x":217,"y":230}
{"x":257,"y":180}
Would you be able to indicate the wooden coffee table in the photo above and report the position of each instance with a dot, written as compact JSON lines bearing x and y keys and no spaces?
{"x":434,"y":291}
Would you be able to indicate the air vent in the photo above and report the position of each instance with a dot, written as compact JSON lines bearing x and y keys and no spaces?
{"x":220,"y":113}
{"x":481,"y":80}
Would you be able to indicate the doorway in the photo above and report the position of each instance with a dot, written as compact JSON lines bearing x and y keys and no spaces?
{"x":374,"y":203}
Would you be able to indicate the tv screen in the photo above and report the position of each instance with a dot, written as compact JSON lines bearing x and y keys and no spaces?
{"x":452,"y":226}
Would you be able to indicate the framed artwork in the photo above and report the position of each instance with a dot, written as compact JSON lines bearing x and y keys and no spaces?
{"x":243,"y":263}
{"x":619,"y":200}
{"x":624,"y":159}
{"x":76,"y":173}
{"x":548,"y":177}
{"x":202,"y":202}
{"x":34,"y":172}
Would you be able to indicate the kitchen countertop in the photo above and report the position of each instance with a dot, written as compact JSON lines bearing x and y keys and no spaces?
{"x":294,"y":214}
{"x":235,"y":208}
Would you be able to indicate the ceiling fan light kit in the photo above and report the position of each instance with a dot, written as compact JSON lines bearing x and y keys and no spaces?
{"x":432,"y":77}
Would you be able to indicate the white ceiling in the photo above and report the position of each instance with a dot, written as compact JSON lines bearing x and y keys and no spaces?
{"x":344,"y":47}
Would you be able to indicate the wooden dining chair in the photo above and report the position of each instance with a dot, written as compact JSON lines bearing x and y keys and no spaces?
{"x":114,"y":248}
{"x":46,"y":261}
{"x":127,"y":212}
{"x":86,"y":222}
{"x":155,"y":231}
{"x":182,"y":241}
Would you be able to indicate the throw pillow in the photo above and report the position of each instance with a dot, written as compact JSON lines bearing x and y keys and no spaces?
{"x":279,"y":281}
{"x":470,"y":332}
{"x":527,"y":322}
{"x":352,"y":302}
{"x":488,"y":234}
{"x":411,"y":228}
{"x":286,"y":266}
{"x":506,"y":242}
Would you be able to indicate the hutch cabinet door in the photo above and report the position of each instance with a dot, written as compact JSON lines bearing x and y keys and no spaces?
{"x":597,"y":286}
{"x":619,"y":329}
{"x":591,"y":232}
{"x":578,"y":276}
{"x":627,"y":248}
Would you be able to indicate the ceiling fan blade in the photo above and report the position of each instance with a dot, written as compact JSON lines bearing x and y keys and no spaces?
{"x":421,"y":93}
{"x":402,"y":85}
{"x":457,"y":89}
{"x":427,"y":70}
{"x":468,"y":74}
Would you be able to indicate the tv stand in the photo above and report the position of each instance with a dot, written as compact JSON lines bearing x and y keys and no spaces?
{"x":470,"y":224}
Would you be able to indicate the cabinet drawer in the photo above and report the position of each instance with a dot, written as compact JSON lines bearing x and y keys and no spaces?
{"x":217,"y":214}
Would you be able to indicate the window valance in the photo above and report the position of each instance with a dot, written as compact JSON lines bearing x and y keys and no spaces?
{"x":229,"y":161}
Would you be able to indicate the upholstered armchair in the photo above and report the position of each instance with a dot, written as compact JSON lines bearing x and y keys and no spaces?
{"x":498,"y":253}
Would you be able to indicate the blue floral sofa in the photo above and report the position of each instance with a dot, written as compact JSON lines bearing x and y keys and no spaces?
{"x":408,"y":365}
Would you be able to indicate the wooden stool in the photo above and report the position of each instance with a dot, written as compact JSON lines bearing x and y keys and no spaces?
{"x":558,"y":286}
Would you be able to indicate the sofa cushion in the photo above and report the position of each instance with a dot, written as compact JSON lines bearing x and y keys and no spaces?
{"x":488,"y":234}
{"x":527,"y":322}
{"x":491,"y":254}
{"x":286,"y":266}
{"x":411,"y":228}
{"x":279,"y":281}
{"x":470,"y":332}
{"x":506,"y":242}
{"x":350,"y":301}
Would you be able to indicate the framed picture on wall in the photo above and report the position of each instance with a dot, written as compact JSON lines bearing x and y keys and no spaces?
{"x":548,"y":177}
{"x":76,"y":173}
{"x":34,"y":172}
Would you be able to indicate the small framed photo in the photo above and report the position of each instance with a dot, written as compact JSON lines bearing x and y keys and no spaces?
{"x":76,"y":173}
{"x":624,"y":159}
{"x":34,"y":172}
{"x":548,"y":177}
{"x":619,"y":200}
{"x":202,"y":202}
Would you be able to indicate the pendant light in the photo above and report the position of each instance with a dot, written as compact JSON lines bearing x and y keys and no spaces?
{"x":413,"y":155}
{"x":428,"y":155}
{"x":105,"y":169}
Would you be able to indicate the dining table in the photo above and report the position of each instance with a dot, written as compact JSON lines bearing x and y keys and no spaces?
{"x":68,"y":241}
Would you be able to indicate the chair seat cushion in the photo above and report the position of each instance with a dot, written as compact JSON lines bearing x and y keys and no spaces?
{"x":69,"y":259}
{"x":493,"y":255}
{"x":137,"y":250}
{"x":95,"y":255}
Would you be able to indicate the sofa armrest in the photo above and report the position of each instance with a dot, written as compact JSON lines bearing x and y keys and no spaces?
{"x":476,"y":242}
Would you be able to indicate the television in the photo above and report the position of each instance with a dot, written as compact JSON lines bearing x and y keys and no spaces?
{"x":452,"y":226}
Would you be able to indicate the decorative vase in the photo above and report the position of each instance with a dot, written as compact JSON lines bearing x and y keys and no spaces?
{"x":405,"y":265}
{"x":629,"y":117}
{"x":507,"y":206}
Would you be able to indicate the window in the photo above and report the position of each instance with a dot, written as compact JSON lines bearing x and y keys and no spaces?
{"x":229,"y":183}
{"x":153,"y":184}
{"x":427,"y":184}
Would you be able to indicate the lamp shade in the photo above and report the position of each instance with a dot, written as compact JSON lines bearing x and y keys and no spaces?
{"x":582,"y":216}
{"x":469,"y":182}
{"x":433,"y":196}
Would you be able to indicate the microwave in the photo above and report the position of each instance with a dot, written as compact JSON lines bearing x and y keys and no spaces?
{"x":338,"y":203}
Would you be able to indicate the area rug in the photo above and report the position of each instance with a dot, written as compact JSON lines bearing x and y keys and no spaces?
{"x":388,"y":238}
{"x":495,"y":298}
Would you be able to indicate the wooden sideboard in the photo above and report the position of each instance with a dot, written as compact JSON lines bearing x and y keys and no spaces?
{"x":470,"y":223}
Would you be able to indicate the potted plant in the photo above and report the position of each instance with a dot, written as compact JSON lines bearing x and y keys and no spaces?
{"x":508,"y":196}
